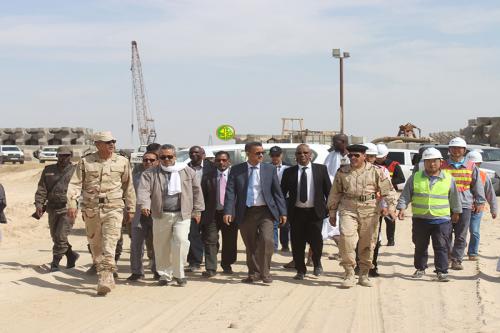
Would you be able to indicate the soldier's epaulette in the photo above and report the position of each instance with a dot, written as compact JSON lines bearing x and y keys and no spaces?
{"x":345,"y":168}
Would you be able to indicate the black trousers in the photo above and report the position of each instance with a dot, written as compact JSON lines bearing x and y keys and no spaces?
{"x":390,"y":229}
{"x":439,"y":233}
{"x":285,"y":235}
{"x":195,"y":254}
{"x":306,"y":228}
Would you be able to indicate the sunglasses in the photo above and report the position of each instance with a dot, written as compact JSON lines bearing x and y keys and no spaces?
{"x":275,"y":155}
{"x":259,"y":153}
{"x":150,"y":160}
{"x":109,"y":142}
{"x":353,"y":155}
{"x":165,"y":157}
{"x":221,"y":160}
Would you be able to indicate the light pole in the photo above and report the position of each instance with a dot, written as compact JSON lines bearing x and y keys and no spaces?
{"x":337,"y":53}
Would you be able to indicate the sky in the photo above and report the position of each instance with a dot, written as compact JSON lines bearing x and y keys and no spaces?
{"x":249,"y":63}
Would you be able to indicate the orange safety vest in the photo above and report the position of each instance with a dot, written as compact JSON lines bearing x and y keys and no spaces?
{"x":463,"y":176}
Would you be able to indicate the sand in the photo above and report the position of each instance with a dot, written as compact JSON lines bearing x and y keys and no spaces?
{"x":31,"y":299}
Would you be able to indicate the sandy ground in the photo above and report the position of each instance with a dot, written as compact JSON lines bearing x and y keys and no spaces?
{"x":33,"y":300}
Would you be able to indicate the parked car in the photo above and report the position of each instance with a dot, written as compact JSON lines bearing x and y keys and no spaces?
{"x":491,"y":160}
{"x":48,"y":153}
{"x":238,"y":155}
{"x":11,"y":153}
{"x":405,"y":158}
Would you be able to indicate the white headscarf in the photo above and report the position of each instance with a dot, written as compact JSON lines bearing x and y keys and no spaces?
{"x":174,"y":185}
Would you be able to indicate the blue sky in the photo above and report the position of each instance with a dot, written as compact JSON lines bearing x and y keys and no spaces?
{"x":249,"y":63}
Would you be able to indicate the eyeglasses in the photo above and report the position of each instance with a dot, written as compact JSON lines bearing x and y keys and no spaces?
{"x":165,"y":157}
{"x":149,"y":160}
{"x":259,"y":153}
{"x":109,"y":142}
{"x":351,"y":155}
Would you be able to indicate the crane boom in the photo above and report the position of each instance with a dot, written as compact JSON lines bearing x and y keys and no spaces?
{"x":145,"y":123}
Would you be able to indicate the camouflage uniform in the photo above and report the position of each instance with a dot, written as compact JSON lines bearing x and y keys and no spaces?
{"x":106,"y":188}
{"x":354,"y":196}
{"x":51,"y":193}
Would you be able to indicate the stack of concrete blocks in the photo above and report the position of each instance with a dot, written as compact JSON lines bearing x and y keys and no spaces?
{"x":483,"y":130}
{"x":46,"y":136}
{"x":444,"y":137}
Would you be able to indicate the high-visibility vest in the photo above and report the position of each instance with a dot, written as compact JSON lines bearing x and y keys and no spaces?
{"x":463,"y":176}
{"x":392,"y":167}
{"x":429,"y":202}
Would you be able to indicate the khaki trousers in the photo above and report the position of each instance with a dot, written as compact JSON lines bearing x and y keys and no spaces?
{"x":171,"y":244}
{"x":103,"y":227}
{"x":360,"y":231}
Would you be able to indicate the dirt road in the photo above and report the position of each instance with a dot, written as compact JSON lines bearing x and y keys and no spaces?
{"x":33,"y":300}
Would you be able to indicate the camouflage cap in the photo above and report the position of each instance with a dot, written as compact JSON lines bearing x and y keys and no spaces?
{"x":64,"y":150}
{"x":103,"y":136}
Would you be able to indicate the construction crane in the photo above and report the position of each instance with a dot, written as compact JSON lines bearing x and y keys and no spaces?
{"x":145,"y":122}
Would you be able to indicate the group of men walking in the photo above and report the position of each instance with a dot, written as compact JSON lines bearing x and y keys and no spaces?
{"x":177,"y":210}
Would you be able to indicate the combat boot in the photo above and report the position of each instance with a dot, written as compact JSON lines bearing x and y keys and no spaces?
{"x":105,"y":283}
{"x":72,"y":257}
{"x":349,"y":279}
{"x":364,"y":280}
{"x":54,"y":265}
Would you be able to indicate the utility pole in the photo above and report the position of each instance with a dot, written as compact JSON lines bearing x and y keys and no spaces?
{"x":337,"y":53}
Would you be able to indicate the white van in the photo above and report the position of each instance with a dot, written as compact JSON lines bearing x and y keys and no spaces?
{"x":238,"y":155}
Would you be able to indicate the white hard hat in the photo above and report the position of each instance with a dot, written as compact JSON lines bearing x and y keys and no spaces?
{"x":372,"y":148}
{"x":458,"y":142}
{"x":474,"y":156}
{"x":431,"y":154}
{"x":382,"y":150}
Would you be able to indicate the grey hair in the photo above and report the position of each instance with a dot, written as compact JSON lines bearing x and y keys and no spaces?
{"x":168,"y":146}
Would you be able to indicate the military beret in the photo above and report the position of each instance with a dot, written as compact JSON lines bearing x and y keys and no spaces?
{"x":357,"y":148}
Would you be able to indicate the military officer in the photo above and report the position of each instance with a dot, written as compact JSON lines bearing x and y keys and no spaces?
{"x":51,"y":196}
{"x":105,"y":182}
{"x":354,"y":196}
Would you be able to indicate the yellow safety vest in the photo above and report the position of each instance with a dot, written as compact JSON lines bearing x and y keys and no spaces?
{"x":427,"y":202}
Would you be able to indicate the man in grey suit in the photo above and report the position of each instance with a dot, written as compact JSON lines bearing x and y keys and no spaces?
{"x":171,"y":194}
{"x":254,"y":201}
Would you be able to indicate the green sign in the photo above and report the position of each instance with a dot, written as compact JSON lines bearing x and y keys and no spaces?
{"x":225,"y":132}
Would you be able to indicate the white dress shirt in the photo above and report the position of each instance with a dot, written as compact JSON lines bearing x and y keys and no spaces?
{"x":258,"y":196}
{"x":280,"y":168}
{"x":310,"y":187}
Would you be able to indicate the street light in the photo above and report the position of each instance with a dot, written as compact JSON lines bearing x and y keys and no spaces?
{"x":337,"y":53}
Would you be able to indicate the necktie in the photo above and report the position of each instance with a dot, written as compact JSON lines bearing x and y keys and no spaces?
{"x":251,"y":181}
{"x":222,"y":188}
{"x":303,"y":186}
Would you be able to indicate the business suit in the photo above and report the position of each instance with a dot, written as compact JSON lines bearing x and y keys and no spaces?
{"x":256,"y":221}
{"x":195,"y":255}
{"x":306,"y":219}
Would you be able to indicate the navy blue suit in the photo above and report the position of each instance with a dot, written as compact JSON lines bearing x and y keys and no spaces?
{"x":255,"y":222}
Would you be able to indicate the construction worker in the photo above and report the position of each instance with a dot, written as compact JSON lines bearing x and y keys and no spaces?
{"x":472,"y":196}
{"x":354,"y":195}
{"x":475,"y":220}
{"x":104,"y":180}
{"x":397,"y":177}
{"x":51,"y":197}
{"x":433,"y":196}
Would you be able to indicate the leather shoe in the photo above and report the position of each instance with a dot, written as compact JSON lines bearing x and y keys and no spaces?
{"x":156,"y":276}
{"x":209,"y":273}
{"x":299,"y":276}
{"x":289,"y":265}
{"x":318,"y":271}
{"x":267,"y":280}
{"x":135,"y":277}
{"x":248,"y":279}
{"x":163,"y":282}
{"x":227,"y":270}
{"x":373,"y":272}
{"x":390,"y":243}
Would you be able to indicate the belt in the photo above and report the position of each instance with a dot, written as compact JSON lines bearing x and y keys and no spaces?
{"x":252,"y":207}
{"x":361,"y":198}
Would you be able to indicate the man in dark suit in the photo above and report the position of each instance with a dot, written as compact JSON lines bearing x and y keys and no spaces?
{"x":203,"y":169}
{"x":308,"y":186}
{"x":254,"y":201}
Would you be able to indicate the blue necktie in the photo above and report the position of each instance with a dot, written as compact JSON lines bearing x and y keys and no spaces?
{"x":251,"y":181}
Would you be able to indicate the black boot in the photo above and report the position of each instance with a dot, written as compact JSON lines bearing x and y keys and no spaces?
{"x":72,"y":257}
{"x":54,"y":265}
